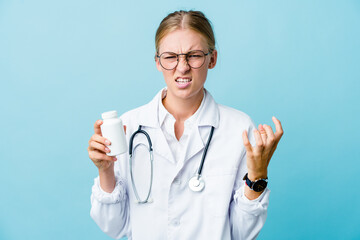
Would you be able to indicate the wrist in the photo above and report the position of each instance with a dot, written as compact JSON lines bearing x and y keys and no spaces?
{"x":253,"y":176}
{"x":251,"y":194}
{"x":258,"y":185}
{"x":107,"y":179}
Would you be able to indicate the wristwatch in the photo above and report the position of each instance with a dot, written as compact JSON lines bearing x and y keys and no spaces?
{"x":258,"y":185}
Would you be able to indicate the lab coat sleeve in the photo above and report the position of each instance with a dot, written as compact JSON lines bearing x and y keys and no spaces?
{"x":247,"y":217}
{"x":110,"y":211}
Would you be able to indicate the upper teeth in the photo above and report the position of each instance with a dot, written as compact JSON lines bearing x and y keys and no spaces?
{"x":183,"y":80}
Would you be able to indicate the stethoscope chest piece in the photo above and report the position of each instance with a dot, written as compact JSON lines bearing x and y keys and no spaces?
{"x":196,"y":184}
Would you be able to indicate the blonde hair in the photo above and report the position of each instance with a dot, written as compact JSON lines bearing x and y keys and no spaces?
{"x":194,"y":20}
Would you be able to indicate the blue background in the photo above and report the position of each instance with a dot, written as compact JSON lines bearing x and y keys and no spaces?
{"x":63,"y":63}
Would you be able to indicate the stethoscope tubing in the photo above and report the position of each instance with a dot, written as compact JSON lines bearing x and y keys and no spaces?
{"x":132,"y":139}
{"x":131,"y":167}
{"x":205,"y":151}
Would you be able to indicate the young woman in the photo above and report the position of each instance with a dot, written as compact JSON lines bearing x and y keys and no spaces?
{"x":208,"y":175}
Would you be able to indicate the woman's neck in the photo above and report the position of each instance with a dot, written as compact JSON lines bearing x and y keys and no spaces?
{"x":180,"y":108}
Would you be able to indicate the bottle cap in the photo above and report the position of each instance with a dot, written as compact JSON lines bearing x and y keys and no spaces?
{"x":110,"y":114}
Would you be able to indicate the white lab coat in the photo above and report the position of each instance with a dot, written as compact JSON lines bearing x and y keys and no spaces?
{"x":219,"y":212}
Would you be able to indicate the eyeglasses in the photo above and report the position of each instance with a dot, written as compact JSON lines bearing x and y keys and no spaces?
{"x":195,"y":59}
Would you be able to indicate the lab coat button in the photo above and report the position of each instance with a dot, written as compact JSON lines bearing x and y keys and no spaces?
{"x":176,"y":222}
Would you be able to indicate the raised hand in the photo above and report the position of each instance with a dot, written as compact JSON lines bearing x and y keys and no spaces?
{"x":258,"y":156}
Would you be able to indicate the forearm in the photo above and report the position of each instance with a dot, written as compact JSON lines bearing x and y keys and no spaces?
{"x":107,"y":179}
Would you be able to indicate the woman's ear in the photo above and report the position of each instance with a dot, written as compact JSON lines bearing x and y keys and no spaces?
{"x":158,"y":66}
{"x":213,"y":59}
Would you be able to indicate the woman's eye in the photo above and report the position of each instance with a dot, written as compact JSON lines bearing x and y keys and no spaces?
{"x":170,"y":57}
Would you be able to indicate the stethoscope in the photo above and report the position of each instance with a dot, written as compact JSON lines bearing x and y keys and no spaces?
{"x":196,"y":183}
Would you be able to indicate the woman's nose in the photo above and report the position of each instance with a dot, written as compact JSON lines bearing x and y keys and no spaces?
{"x":183,"y":65}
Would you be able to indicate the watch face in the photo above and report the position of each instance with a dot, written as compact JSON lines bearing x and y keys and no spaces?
{"x":259,"y":185}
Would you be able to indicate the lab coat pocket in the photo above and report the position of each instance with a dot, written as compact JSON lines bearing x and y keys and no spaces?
{"x":218,"y":191}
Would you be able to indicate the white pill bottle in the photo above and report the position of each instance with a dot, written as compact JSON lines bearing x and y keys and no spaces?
{"x":113,"y":130}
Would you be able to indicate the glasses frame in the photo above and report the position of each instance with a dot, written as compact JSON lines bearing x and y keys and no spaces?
{"x":186,"y":58}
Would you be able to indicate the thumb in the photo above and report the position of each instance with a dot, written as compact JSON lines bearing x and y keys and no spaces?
{"x":97,"y":128}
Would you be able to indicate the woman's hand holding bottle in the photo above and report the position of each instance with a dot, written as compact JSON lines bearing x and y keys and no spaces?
{"x":98,"y":149}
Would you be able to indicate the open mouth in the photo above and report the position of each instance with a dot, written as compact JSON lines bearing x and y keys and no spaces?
{"x":183,"y":80}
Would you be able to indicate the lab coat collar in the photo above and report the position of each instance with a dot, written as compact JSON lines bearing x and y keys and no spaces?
{"x":148,"y":117}
{"x":209,"y":115}
{"x":165,"y":115}
{"x":162,"y":112}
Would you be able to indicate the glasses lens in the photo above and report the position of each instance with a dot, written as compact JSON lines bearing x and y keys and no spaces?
{"x":196,"y":59}
{"x":168,"y":60}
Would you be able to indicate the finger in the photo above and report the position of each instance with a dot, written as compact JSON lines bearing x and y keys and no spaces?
{"x":262,"y":133}
{"x":100,"y":139}
{"x":258,"y":140}
{"x":246,"y":142}
{"x":271,"y":142}
{"x":97,"y":128}
{"x":270,"y":135}
{"x":273,"y":148}
{"x":99,"y":156}
{"x":279,"y":130}
{"x":99,"y":147}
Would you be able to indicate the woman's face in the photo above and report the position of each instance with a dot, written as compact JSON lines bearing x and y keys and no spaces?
{"x":183,"y":81}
